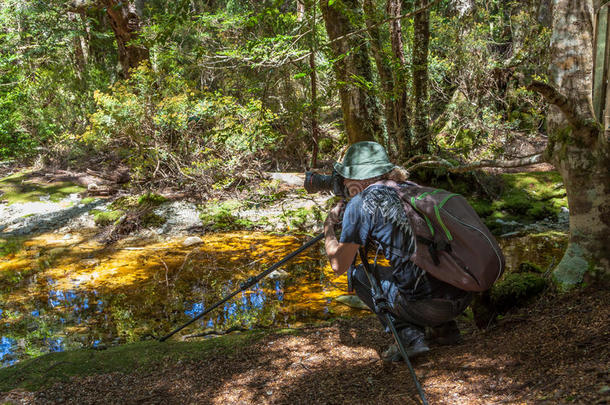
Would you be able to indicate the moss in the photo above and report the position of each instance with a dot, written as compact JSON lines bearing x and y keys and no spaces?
{"x":515,"y":289}
{"x":527,"y":267}
{"x":524,"y":197}
{"x":151,"y":199}
{"x":16,"y":189}
{"x":482,"y":207}
{"x":153,"y":220}
{"x":124,"y":203}
{"x":301,"y":218}
{"x":88,"y":200}
{"x":54,"y":367}
{"x":220,"y":216}
{"x":103,"y":218}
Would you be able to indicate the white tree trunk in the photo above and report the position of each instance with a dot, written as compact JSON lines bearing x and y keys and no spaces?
{"x":578,"y":146}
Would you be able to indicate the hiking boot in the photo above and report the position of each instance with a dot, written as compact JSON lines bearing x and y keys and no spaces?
{"x":415,"y":349}
{"x":446,"y":334}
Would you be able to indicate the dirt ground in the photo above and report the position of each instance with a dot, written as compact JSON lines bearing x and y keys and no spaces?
{"x":554,"y":351}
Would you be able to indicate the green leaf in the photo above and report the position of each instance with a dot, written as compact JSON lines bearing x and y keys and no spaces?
{"x":299,"y":75}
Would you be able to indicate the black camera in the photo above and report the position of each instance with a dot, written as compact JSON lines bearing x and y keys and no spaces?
{"x":315,"y":182}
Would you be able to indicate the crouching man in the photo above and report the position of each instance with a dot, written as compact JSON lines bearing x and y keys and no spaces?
{"x":374,"y":218}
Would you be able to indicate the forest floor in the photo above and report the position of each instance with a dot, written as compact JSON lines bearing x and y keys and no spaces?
{"x":554,"y":351}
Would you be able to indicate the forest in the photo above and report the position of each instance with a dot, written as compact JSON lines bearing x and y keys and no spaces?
{"x":153,"y":158}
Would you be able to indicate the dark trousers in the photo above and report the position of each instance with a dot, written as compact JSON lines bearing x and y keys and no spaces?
{"x":412,"y":315}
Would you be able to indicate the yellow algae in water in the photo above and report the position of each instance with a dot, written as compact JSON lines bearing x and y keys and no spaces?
{"x":15,"y":264}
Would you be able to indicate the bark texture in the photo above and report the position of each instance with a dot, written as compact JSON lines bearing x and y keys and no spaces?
{"x":421,"y":39}
{"x":578,"y":145}
{"x":353,"y":71}
{"x":384,"y":68}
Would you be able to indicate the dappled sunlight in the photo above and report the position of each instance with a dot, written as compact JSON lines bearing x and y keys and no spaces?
{"x":297,"y":357}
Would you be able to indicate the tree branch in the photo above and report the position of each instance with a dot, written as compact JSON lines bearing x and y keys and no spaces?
{"x":519,"y":162}
{"x":555,"y":97}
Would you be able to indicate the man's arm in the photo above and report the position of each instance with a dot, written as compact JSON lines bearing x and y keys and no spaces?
{"x":340,"y":255}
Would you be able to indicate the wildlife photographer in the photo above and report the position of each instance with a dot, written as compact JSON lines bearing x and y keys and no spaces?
{"x":375,"y":219}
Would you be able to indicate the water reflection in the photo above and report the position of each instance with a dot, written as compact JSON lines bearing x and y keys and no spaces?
{"x":6,"y":350}
{"x":52,"y":301}
{"x":52,"y":298}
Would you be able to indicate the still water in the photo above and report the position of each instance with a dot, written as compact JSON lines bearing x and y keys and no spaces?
{"x":61,"y":292}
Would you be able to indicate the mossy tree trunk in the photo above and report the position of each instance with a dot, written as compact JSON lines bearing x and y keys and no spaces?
{"x":579,"y":145}
{"x":352,"y":67}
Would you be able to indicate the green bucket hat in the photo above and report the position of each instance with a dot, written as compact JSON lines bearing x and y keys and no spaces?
{"x":364,"y":160}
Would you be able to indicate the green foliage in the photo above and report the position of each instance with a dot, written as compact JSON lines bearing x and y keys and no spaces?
{"x":481,"y":105}
{"x":43,"y":97}
{"x":169,"y":122}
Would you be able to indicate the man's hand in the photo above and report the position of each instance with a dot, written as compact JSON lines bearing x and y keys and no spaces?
{"x":335,"y":216}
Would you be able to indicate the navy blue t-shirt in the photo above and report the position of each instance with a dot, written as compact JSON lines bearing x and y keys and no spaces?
{"x":377,"y":215}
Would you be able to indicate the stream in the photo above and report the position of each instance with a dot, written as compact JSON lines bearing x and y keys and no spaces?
{"x":66,"y":291}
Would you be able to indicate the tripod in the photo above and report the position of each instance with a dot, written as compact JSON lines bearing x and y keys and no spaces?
{"x":384,"y":309}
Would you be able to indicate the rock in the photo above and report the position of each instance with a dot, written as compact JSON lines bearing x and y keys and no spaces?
{"x":192,"y":240}
{"x":351,"y":301}
{"x":90,"y":262}
{"x":58,"y":251}
{"x":278,"y":275}
{"x":292,"y":179}
{"x":92,"y":187}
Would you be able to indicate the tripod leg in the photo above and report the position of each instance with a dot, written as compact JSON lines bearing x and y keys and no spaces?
{"x":375,"y":285}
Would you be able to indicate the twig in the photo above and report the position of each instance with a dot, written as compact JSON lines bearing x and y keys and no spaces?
{"x":166,"y":270}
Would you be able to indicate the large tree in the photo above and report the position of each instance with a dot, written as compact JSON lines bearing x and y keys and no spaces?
{"x":578,"y":144}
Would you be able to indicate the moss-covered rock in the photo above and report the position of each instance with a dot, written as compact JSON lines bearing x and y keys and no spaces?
{"x":571,"y":270}
{"x":528,"y":267}
{"x":104,"y":218}
{"x":515,"y":289}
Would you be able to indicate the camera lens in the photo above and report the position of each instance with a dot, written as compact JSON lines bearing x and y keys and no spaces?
{"x":315,"y":182}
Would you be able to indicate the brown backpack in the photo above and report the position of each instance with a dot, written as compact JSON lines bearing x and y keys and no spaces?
{"x":452,"y":243}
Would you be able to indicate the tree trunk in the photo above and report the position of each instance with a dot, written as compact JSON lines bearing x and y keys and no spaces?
{"x":352,"y":68}
{"x":80,"y":44}
{"x":313,"y":77}
{"x":125,"y":19}
{"x":421,"y":39}
{"x":401,"y":121}
{"x":578,"y":146}
{"x":384,"y":70}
